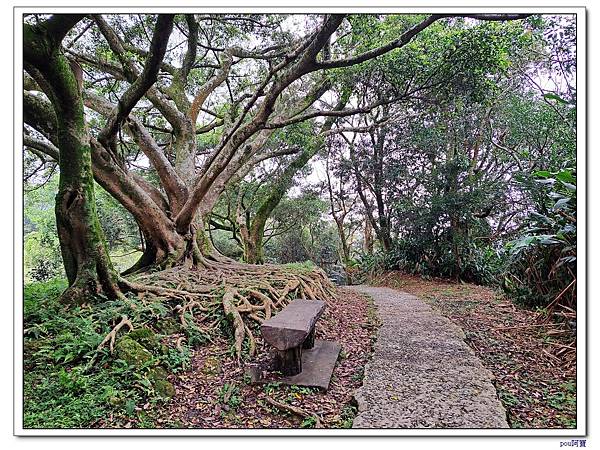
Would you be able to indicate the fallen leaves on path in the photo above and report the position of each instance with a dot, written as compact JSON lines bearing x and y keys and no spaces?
{"x":536,"y":387}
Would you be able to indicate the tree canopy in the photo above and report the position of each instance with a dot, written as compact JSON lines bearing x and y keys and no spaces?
{"x":223,"y":137}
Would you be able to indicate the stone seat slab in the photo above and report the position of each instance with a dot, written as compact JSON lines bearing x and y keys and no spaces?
{"x":318,"y":363}
{"x":292,"y":325}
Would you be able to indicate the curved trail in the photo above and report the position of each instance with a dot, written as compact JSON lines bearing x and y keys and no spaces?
{"x":422,"y":374}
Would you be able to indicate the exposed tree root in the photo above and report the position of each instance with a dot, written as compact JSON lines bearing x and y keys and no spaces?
{"x":234,"y":316}
{"x":246,"y":294}
{"x":110,"y":338}
{"x":179,"y":343}
{"x":295,"y":410}
{"x":251,"y":339}
{"x":189,"y":307}
{"x":178,"y":293}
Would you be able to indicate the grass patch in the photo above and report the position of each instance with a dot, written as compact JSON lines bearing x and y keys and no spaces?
{"x":301,"y":267}
{"x":68,"y":384}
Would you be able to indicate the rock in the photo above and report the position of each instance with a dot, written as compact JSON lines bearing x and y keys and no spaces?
{"x":168,"y":326}
{"x":137,"y":355}
{"x":158,"y":377}
{"x":157,"y":373}
{"x":131,"y":351}
{"x":337,"y":275}
{"x":164,"y":389}
{"x":148,"y":340}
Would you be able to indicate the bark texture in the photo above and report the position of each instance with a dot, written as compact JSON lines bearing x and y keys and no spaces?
{"x":87,"y":265}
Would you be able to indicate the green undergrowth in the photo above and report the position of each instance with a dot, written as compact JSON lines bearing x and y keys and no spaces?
{"x":301,"y":267}
{"x":69,"y":384}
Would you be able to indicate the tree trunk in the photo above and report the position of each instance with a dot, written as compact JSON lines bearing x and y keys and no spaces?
{"x":253,"y":249}
{"x":345,"y":250}
{"x":368,"y":236}
{"x":87,"y":264}
{"x":382,"y":236}
{"x":383,"y":232}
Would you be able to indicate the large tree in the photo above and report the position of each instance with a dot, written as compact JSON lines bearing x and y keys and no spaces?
{"x":248,"y":90}
{"x":87,"y":265}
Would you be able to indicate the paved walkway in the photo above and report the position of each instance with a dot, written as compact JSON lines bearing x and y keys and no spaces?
{"x":422,"y":373}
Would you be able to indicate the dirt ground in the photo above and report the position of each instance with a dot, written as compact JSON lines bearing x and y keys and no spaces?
{"x":537,"y":387}
{"x":215,"y":393}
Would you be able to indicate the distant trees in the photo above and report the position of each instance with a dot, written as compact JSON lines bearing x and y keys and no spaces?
{"x":453,"y":180}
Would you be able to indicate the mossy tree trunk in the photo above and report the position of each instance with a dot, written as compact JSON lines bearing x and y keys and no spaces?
{"x":252,"y":235}
{"x":87,"y":264}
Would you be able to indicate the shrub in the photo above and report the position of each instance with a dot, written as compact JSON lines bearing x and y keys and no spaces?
{"x":541,"y":264}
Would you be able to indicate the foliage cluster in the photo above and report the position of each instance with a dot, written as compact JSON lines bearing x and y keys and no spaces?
{"x":67,"y":382}
{"x":476,"y":182}
{"x":542,"y":263}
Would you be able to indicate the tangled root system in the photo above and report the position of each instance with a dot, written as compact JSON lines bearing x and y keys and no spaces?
{"x":246,"y":294}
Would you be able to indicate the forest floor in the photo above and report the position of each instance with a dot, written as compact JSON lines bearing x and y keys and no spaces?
{"x":537,"y":388}
{"x":70,"y":382}
{"x":215,"y":393}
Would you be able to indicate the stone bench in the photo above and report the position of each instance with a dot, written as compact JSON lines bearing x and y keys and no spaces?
{"x":291,"y":331}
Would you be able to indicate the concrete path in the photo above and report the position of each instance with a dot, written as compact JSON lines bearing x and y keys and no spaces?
{"x":422,"y":373}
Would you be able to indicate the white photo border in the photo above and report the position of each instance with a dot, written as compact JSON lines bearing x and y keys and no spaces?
{"x":582,"y":260}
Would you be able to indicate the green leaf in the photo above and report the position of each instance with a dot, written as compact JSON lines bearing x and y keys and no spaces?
{"x":541,"y":217}
{"x":561,"y":203}
{"x":130,"y":407}
{"x":548,"y":240}
{"x":553,"y":96}
{"x":566,"y":176}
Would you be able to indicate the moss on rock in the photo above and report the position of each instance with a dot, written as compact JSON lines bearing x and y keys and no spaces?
{"x":132,"y":352}
{"x":164,"y":389}
{"x":158,"y":377}
{"x":168,"y":326}
{"x":157,"y":373}
{"x":135,"y":354}
{"x":148,"y":340}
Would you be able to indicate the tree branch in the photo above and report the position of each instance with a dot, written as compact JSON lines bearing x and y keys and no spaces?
{"x":39,"y":114}
{"x":407,"y":37}
{"x":397,"y":43}
{"x":334,"y":113}
{"x":60,"y":24}
{"x":209,"y":87}
{"x":45,"y":147}
{"x":162,"y":31}
{"x":169,"y":179}
{"x":190,"y":56}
